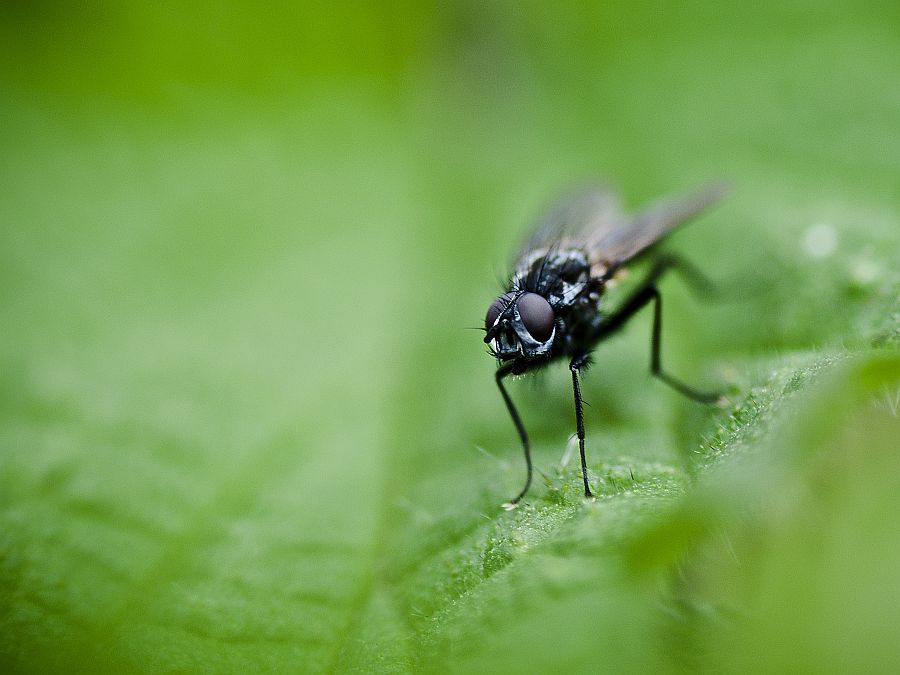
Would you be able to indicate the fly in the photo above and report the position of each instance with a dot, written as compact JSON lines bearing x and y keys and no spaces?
{"x":554,"y":307}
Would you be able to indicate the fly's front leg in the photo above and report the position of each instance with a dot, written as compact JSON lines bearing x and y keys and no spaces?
{"x":646,"y":293}
{"x":575,"y":366}
{"x":502,"y":372}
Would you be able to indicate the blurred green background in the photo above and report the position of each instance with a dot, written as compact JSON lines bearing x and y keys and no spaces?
{"x":243,"y":426}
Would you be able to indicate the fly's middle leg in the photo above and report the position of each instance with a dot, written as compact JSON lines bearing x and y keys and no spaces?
{"x":575,"y":367}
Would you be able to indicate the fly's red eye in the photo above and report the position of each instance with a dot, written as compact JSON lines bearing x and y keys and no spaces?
{"x":537,"y":316}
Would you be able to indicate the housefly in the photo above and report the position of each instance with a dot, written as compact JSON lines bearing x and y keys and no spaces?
{"x":553,"y":308}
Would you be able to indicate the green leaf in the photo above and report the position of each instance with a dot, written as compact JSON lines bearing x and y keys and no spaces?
{"x":242,"y":427}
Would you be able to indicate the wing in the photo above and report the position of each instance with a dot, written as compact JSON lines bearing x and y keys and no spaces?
{"x":574,"y":220}
{"x":614,"y":246}
{"x":592,"y":220}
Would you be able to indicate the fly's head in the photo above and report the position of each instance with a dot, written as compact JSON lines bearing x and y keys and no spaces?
{"x":520,"y":325}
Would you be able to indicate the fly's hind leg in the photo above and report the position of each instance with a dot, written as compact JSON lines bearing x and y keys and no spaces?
{"x":656,"y":368}
{"x":644,"y":294}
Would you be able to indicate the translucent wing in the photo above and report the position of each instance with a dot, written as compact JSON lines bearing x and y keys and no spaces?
{"x":591,"y":220}
{"x":574,"y":220}
{"x":616,"y":245}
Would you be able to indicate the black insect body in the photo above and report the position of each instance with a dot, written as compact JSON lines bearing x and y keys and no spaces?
{"x":554,"y":306}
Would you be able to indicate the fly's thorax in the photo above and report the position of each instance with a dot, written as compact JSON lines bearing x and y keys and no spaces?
{"x":559,"y":275}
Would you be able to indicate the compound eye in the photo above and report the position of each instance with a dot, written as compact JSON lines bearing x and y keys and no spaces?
{"x":537,"y":316}
{"x":496,"y":309}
